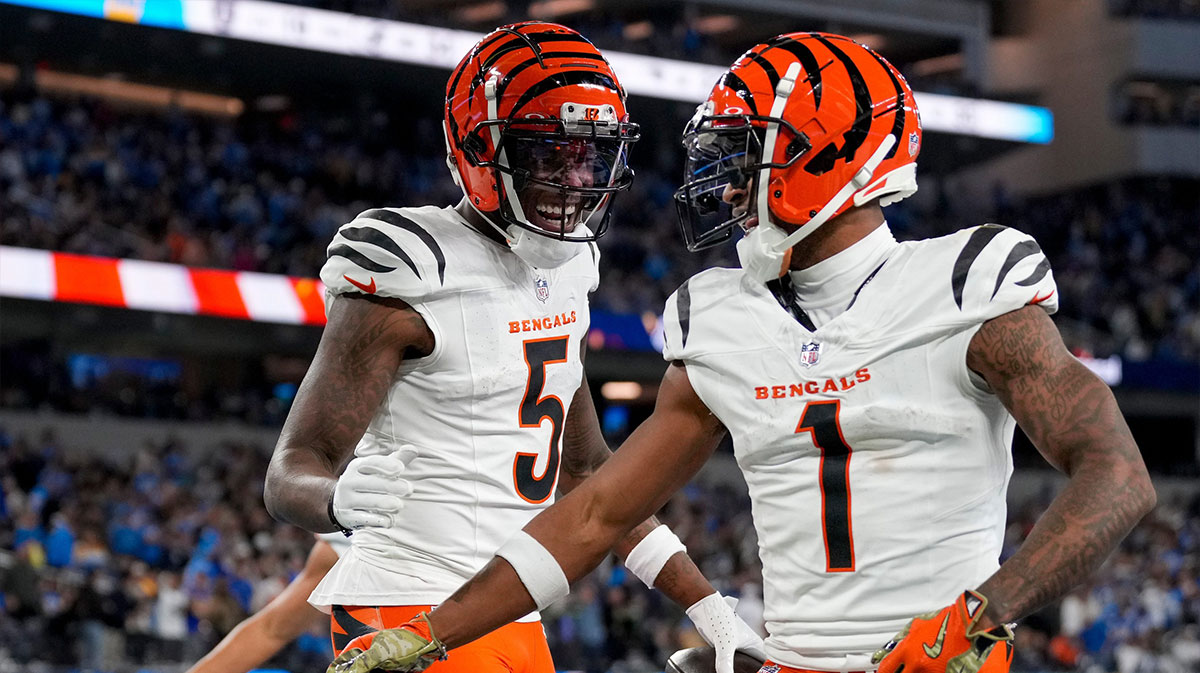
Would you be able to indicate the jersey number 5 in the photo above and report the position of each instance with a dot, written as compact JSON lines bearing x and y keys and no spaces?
{"x":821,"y":419}
{"x":534,"y":410}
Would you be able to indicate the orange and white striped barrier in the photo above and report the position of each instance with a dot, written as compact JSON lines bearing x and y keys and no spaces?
{"x":155,"y":286}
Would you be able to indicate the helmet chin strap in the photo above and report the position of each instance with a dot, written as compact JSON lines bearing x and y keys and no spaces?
{"x":766,"y":251}
{"x":861,"y":179}
{"x":756,"y":250}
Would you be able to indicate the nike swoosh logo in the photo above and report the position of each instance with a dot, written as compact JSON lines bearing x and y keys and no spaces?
{"x":1037,"y":300}
{"x":369,"y":289}
{"x":936,"y":650}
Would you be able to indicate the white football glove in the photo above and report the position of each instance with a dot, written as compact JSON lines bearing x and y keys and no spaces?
{"x":720,"y":627}
{"x":371,"y":492}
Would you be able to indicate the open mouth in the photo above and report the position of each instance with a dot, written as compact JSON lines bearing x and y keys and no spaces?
{"x":555,"y":214}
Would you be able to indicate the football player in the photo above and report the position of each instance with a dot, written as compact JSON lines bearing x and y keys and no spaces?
{"x":870,"y":387}
{"x":263,"y":634}
{"x":452,"y":362}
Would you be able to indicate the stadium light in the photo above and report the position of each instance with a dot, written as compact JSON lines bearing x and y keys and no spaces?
{"x":621,"y":390}
{"x":352,"y":35}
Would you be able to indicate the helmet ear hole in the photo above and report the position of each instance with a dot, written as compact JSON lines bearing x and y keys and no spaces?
{"x":823,"y":162}
{"x":798,"y":146}
{"x":474,"y":146}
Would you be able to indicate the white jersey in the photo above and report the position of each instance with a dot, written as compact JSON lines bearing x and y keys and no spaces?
{"x":485,"y":410}
{"x":877,"y":463}
{"x":338,"y":542}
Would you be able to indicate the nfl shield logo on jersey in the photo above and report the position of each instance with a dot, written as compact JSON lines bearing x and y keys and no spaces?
{"x":541,"y":288}
{"x":810,"y":353}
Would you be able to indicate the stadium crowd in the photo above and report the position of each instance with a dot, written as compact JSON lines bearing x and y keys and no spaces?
{"x":153,"y":556}
{"x":266,"y":193}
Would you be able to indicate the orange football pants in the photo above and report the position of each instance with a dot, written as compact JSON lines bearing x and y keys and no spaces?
{"x":519,"y":647}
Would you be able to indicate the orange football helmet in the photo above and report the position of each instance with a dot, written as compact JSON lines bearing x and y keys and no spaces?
{"x":811,"y":122}
{"x":537,"y":137}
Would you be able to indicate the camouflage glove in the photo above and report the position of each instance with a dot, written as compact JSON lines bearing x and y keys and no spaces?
{"x":411,"y":647}
{"x":343,"y":658}
{"x":948,"y":641}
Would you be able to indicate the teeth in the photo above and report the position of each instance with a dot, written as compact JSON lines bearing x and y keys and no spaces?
{"x":555,"y":212}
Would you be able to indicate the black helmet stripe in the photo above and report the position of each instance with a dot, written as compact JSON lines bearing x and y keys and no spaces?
{"x":560,"y":79}
{"x":898,"y":123}
{"x":772,"y":74}
{"x":533,"y":42}
{"x":520,"y":67}
{"x":473,"y":56}
{"x":857,"y":134}
{"x":516,"y":39}
{"x":812,"y":69}
{"x":736,"y":83}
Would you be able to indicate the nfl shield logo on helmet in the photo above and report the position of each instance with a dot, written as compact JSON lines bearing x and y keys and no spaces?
{"x":810,"y":353}
{"x":541,"y":288}
{"x":914,"y":141}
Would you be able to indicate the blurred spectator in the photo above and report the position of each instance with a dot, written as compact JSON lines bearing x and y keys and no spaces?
{"x":266,"y":193}
{"x":222,"y":556}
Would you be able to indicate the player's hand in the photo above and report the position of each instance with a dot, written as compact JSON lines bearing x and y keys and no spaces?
{"x":410,"y":647}
{"x":371,"y":492}
{"x":720,"y":627}
{"x":949,"y":640}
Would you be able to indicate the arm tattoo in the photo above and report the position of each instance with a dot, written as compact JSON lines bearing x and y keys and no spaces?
{"x":349,"y":376}
{"x":1073,"y":419}
{"x":584,"y":447}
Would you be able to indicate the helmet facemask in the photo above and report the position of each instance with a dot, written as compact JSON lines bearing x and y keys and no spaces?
{"x":556,"y":177}
{"x":725,"y":152}
{"x":538,"y":137}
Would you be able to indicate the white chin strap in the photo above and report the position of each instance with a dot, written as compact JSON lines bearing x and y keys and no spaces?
{"x":764,"y":252}
{"x":541,"y":252}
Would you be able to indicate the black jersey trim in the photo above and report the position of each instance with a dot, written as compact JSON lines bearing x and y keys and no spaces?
{"x":374,"y":237}
{"x":683,"y":305}
{"x":397,"y":220}
{"x":781,"y":288}
{"x":343,"y":250}
{"x":1019,"y":252}
{"x":970,"y":252}
{"x":1038,"y":273}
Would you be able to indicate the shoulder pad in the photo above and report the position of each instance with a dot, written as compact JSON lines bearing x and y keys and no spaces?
{"x":387,"y":253}
{"x":997,"y":270}
{"x":695,"y":301}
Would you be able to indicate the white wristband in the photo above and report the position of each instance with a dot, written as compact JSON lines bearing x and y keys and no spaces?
{"x":649,"y":556}
{"x":539,"y":571}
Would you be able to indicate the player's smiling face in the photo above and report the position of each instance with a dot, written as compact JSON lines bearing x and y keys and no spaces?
{"x":560,"y":170}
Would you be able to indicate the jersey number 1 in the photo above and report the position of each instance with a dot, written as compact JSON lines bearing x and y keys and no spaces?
{"x":821,"y":419}
{"x":534,"y":410}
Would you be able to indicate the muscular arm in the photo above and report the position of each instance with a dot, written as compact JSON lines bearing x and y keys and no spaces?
{"x":584,"y":451}
{"x":363,"y":344}
{"x":1072,"y":418}
{"x":657,"y":459}
{"x":266,"y":632}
